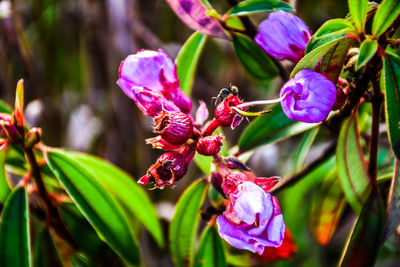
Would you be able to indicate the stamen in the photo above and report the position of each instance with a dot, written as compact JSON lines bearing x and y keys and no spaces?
{"x":261,"y":102}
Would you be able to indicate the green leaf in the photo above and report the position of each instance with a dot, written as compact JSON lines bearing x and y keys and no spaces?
{"x":210,"y":251}
{"x":45,"y":252}
{"x":351,"y":165}
{"x":363,"y":245}
{"x":271,"y":127}
{"x":330,"y":30}
{"x":5,"y":108}
{"x":358,"y":11}
{"x":4,"y":185}
{"x":203,"y":162}
{"x":96,"y":204}
{"x":257,"y":62}
{"x":256,"y":6}
{"x":333,"y":60}
{"x":390,"y":82}
{"x":393,"y":206}
{"x":310,"y":60}
{"x":14,"y":231}
{"x":187,"y":60}
{"x":122,"y":187}
{"x":367,"y":51}
{"x":302,"y":150}
{"x":184,"y":224}
{"x":327,"y":206}
{"x":386,"y":14}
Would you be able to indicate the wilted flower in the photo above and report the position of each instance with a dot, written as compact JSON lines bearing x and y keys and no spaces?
{"x":309,"y":96}
{"x":283,"y":35}
{"x":169,"y":168}
{"x":209,"y":145}
{"x":174,"y":127}
{"x":153,"y":74}
{"x":252,"y":219}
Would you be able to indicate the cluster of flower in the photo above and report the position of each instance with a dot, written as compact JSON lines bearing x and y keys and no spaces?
{"x":252,"y":219}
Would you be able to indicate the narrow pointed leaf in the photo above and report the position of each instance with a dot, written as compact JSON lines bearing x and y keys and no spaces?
{"x":358,"y":11}
{"x":96,"y":204}
{"x":390,"y":82}
{"x":19,"y":103}
{"x":351,"y":165}
{"x":367,"y":51}
{"x":271,"y":127}
{"x":310,"y":60}
{"x":256,"y":6}
{"x":393,"y":206}
{"x":184,"y":224}
{"x":304,"y":146}
{"x":363,"y":244}
{"x":45,"y":252}
{"x":187,"y":60}
{"x":194,"y":14}
{"x":332,"y":62}
{"x":257,"y":62}
{"x":210,"y":251}
{"x":386,"y":14}
{"x":326,"y":208}
{"x":123,"y":188}
{"x":14,"y":231}
{"x":4,"y":185}
{"x":330,"y":30}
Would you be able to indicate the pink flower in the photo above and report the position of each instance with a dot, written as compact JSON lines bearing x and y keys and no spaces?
{"x":152,"y":72}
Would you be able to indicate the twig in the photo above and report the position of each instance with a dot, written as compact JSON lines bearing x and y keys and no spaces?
{"x":289,"y":181}
{"x":52,"y":212}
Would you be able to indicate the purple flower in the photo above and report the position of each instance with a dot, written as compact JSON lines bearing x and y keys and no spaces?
{"x":155,"y":72}
{"x":252,"y":220}
{"x":309,"y":96}
{"x":283,"y":35}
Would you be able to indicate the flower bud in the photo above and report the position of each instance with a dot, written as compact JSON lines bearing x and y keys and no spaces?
{"x":224,"y":113}
{"x":209,"y":145}
{"x":7,"y":129}
{"x":33,"y":137}
{"x":283,"y":35}
{"x":216,"y":180}
{"x":174,"y":127}
{"x":234,"y":163}
{"x":309,"y":97}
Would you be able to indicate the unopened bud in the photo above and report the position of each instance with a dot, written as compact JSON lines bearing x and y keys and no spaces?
{"x":224,"y":113}
{"x":216,"y":180}
{"x":235,"y":163}
{"x":174,"y":127}
{"x":209,"y":145}
{"x":33,"y":137}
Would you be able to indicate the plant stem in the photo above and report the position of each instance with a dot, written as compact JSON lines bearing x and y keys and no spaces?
{"x":289,"y":181}
{"x":376,"y":117}
{"x":53,"y":215}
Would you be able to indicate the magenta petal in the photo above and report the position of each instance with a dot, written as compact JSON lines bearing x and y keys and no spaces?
{"x":309,"y":97}
{"x":283,"y":35}
{"x":201,"y":113}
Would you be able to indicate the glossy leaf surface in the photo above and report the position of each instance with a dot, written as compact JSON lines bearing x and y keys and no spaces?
{"x":257,"y":62}
{"x":96,"y":204}
{"x":271,"y":127}
{"x":351,"y":165}
{"x":4,"y":185}
{"x":363,"y":245}
{"x":386,"y":14}
{"x":184,"y":224}
{"x":304,"y":146}
{"x":14,"y":231}
{"x":256,"y":6}
{"x":187,"y":59}
{"x":123,"y":188}
{"x":210,"y":251}
{"x":358,"y":11}
{"x":390,"y":83}
{"x":393,"y":206}
{"x":45,"y":252}
{"x":367,"y":51}
{"x":326,"y":208}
